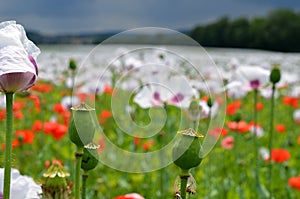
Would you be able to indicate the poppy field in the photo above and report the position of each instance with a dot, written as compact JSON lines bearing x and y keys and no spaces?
{"x":42,"y":115}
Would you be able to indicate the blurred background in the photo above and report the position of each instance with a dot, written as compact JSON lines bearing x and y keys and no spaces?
{"x":270,"y":24}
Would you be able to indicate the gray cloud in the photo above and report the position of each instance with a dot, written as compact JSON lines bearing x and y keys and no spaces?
{"x":65,"y":16}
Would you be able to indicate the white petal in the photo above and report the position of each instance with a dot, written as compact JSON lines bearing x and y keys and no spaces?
{"x":14,"y":34}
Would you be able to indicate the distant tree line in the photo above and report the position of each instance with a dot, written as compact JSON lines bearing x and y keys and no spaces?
{"x":278,"y":31}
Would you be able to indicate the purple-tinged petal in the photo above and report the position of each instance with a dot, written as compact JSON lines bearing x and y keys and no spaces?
{"x":254,"y":84}
{"x":156,"y":96}
{"x":177,"y":98}
{"x":13,"y":82}
{"x":17,"y":71}
{"x":31,"y":59}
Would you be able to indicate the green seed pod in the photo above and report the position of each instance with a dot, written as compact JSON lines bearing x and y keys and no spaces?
{"x":72,"y":64}
{"x":82,"y":125}
{"x":275,"y":75}
{"x":186,"y":149}
{"x":90,"y":157}
{"x":56,"y":185}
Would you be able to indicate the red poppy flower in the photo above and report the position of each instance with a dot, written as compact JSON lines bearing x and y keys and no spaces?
{"x":18,"y":105}
{"x":130,"y":196}
{"x":216,"y":132}
{"x":37,"y":126}
{"x":104,"y":115}
{"x":36,"y":102}
{"x":148,"y":144}
{"x":290,"y":101}
{"x":252,"y":123}
{"x":43,"y":88}
{"x":66,"y":117}
{"x":82,"y":96}
{"x":15,"y":143}
{"x":60,"y":131}
{"x":241,"y":126}
{"x":108,"y":89}
{"x":233,"y":107}
{"x":280,"y":128}
{"x":59,"y":108}
{"x":227,"y":142}
{"x":54,"y":161}
{"x":205,"y":98}
{"x":101,"y":144}
{"x":49,"y":127}
{"x":259,"y":106}
{"x":280,"y":155}
{"x":2,"y":114}
{"x":18,"y":115}
{"x":137,"y":141}
{"x":295,"y":182}
{"x":24,"y":136}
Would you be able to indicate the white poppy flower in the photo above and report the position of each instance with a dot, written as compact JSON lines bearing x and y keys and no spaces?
{"x":22,"y":187}
{"x":18,"y":68}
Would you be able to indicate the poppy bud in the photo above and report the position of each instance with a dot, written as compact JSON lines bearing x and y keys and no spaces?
{"x":275,"y":75}
{"x":72,"y":64}
{"x":209,"y":102}
{"x":186,"y":149}
{"x":82,"y":125}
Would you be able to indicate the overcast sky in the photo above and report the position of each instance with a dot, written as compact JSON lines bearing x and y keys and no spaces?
{"x":79,"y":16}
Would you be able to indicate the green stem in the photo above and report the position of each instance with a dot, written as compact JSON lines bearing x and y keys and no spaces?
{"x":73,"y":85}
{"x":270,"y":139}
{"x":257,"y":185}
{"x":183,"y":183}
{"x":78,"y":155}
{"x":162,"y":172}
{"x":8,"y":144}
{"x":162,"y":157}
{"x":84,"y":179}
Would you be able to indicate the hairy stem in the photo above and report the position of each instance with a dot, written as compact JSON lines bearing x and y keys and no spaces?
{"x":8,"y":144}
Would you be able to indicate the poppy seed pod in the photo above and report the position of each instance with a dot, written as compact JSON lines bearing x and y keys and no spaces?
{"x":82,"y":125}
{"x":186,"y":149}
{"x":275,"y":75}
{"x":56,"y":185}
{"x":90,"y":157}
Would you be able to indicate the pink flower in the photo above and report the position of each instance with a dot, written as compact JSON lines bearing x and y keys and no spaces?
{"x":227,"y":142}
{"x":18,"y":69}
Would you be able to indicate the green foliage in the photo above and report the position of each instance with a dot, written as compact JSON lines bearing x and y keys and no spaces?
{"x":277,"y":31}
